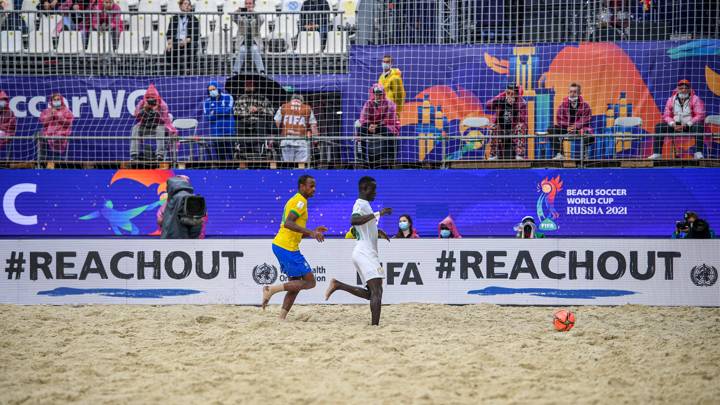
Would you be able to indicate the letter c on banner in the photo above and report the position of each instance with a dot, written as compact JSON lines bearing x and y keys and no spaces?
{"x":10,"y":209}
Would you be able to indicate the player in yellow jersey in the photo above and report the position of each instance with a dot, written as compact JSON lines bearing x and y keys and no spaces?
{"x":286,"y":246}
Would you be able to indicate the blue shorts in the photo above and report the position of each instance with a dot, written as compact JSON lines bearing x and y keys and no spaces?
{"x":293,"y":264}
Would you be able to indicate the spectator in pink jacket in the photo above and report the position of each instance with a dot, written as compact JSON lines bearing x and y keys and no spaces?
{"x":684,"y":113}
{"x":153,"y":120}
{"x":510,"y":119}
{"x":447,"y":229}
{"x":7,"y":124}
{"x":573,"y":118}
{"x":105,"y":20}
{"x":379,"y":125}
{"x":56,"y":123}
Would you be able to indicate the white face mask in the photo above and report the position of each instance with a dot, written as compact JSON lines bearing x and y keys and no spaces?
{"x":57,"y":103}
{"x":386,"y":66}
{"x":3,"y":104}
{"x":573,"y":98}
{"x":683,"y":96}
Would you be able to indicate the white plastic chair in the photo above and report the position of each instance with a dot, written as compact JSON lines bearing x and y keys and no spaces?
{"x":217,"y":44}
{"x":11,"y":41}
{"x":349,"y":9}
{"x":157,"y":43}
{"x":265,"y":6}
{"x":69,"y":42}
{"x":129,"y":44}
{"x":336,"y":42}
{"x":205,"y":6}
{"x":187,"y":124}
{"x":40,"y":42}
{"x":625,"y":123}
{"x":99,"y":43}
{"x":308,"y":43}
{"x":149,"y":6}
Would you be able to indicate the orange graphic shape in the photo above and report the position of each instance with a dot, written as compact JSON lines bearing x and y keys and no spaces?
{"x":456,"y":105}
{"x":713,"y":80}
{"x":145,"y":177}
{"x":497,"y":65}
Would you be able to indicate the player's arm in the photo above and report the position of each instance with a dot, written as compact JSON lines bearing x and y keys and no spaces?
{"x":357,"y":219}
{"x":382,"y":234}
{"x":317,"y":233}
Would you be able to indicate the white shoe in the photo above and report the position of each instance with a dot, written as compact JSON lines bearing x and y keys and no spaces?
{"x":654,"y":156}
{"x":559,"y":156}
{"x":492,"y":157}
{"x":518,"y":157}
{"x":699,"y":155}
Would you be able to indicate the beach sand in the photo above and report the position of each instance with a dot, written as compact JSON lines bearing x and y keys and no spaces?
{"x":329,"y":354}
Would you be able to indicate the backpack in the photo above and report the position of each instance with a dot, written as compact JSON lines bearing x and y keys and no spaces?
{"x":192,"y":210}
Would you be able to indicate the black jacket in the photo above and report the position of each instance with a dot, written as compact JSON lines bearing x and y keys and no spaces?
{"x":177,"y":189}
{"x":193,"y":29}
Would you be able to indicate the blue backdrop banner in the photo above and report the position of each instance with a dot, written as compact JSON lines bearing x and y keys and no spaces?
{"x":567,"y":203}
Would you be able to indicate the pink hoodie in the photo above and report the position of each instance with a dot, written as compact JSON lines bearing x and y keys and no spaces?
{"x":160,"y":106}
{"x":697,"y":109}
{"x":582,"y":119}
{"x":448,"y":221}
{"x":57,"y":122}
{"x":385,"y":113}
{"x":113,"y":20}
{"x":7,"y":120}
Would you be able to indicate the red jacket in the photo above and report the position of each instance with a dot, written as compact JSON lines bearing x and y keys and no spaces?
{"x":103,"y":17}
{"x":582,"y":117}
{"x":160,"y":107}
{"x":7,"y":120}
{"x":57,"y":122}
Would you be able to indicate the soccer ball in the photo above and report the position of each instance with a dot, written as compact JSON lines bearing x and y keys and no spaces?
{"x":563,"y":320}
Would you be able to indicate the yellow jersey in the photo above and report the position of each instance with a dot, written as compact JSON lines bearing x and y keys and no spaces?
{"x":285,"y":238}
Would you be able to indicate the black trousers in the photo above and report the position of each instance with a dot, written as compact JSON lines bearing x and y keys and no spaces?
{"x":664,"y":128}
{"x":381,"y":151}
{"x":556,"y":141}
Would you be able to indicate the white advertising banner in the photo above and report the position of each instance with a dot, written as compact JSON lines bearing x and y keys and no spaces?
{"x":459,"y":271}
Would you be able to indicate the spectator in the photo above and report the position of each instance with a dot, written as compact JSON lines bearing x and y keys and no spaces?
{"x":527,"y":229}
{"x":573,"y":118}
{"x":11,"y":21}
{"x":254,"y":114}
{"x":249,"y":36}
{"x":297,"y":123}
{"x":684,"y":113}
{"x":186,"y":213}
{"x":378,"y":119}
{"x":49,"y":6}
{"x":105,"y":21}
{"x":78,"y":20}
{"x":392,"y":82}
{"x":56,"y":122}
{"x":692,"y":227}
{"x":183,"y":37}
{"x":218,"y":110}
{"x":406,"y":230}
{"x":510,"y":119}
{"x":318,"y":21}
{"x":447,"y":229}
{"x":7,"y":123}
{"x":153,"y":119}
{"x":161,"y":211}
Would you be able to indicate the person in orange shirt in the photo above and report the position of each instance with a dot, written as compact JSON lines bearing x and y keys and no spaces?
{"x":297,"y":124}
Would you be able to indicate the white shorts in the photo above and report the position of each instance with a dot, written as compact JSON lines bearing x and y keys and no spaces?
{"x":367,"y":265}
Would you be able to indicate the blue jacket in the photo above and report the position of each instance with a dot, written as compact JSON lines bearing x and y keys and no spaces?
{"x":219,"y":113}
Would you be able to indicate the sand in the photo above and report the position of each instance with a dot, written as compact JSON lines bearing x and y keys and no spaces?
{"x":330,"y":354}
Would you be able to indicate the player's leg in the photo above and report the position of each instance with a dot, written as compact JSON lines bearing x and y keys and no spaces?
{"x":298,"y":271}
{"x":376,"y":290}
{"x":335,"y":285}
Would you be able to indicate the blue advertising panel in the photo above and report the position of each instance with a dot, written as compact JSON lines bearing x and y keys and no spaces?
{"x":565,"y":203}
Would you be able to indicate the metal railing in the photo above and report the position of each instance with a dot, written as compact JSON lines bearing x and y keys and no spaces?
{"x":362,"y":151}
{"x":146,"y":43}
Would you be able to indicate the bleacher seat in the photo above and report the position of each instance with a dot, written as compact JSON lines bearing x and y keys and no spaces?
{"x":40,"y":42}
{"x":11,"y":42}
{"x":291,"y":6}
{"x":349,"y":9}
{"x":173,"y":6}
{"x":308,"y":43}
{"x":205,"y":6}
{"x":123,"y":5}
{"x":130,"y":43}
{"x":265,"y":6}
{"x":141,"y":24}
{"x":69,"y":42}
{"x":336,"y":42}
{"x":157,"y":43}
{"x":218,"y":43}
{"x":99,"y":43}
{"x":149,"y":6}
{"x":227,"y":24}
{"x":627,"y":135}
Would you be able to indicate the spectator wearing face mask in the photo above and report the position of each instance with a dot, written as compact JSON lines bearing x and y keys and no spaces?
{"x":7,"y":124}
{"x":573,"y":118}
{"x":684,"y":113}
{"x":447,"y":229}
{"x":510,"y":118}
{"x":56,"y":123}
{"x":379,"y":126}
{"x":406,"y":230}
{"x":153,"y":120}
{"x":392,"y":82}
{"x":218,"y":111}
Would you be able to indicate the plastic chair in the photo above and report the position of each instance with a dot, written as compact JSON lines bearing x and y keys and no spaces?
{"x":337,"y":42}
{"x":129,"y":43}
{"x":99,"y":43}
{"x":308,"y":43}
{"x":623,"y":125}
{"x":187,"y":124}
{"x":10,"y":41}
{"x":714,"y":120}
{"x":69,"y":42}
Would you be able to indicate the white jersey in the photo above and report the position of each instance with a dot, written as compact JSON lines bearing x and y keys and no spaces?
{"x":367,"y":233}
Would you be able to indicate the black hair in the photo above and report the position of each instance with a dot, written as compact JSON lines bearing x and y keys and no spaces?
{"x":365,"y":181}
{"x":400,"y":233}
{"x":511,"y":86}
{"x":303,"y":179}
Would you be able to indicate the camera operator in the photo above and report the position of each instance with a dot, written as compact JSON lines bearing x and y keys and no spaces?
{"x":527,"y":229}
{"x":692,"y":227}
{"x":183,"y":216}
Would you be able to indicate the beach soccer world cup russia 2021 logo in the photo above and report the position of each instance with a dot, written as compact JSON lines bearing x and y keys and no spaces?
{"x":545,"y":206}
{"x":265,"y":274}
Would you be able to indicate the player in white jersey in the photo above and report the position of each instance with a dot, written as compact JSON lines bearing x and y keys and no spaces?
{"x":365,"y":254}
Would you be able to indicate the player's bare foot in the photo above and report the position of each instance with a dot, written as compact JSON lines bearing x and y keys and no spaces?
{"x":266,"y":296}
{"x":331,"y":289}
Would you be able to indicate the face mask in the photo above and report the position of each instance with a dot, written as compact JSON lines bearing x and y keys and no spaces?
{"x":683,"y":96}
{"x":214,"y":93}
{"x":57,"y":103}
{"x":509,"y":100}
{"x":404,"y":225}
{"x":3,"y":104}
{"x":445,"y":233}
{"x":152,"y":101}
{"x":386,"y":66}
{"x":573,"y":99}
